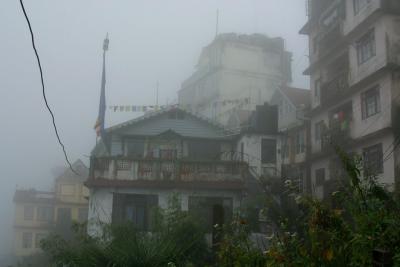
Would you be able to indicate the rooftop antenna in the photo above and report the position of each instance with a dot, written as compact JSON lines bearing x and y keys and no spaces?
{"x":217,"y":24}
{"x":157,"y":95}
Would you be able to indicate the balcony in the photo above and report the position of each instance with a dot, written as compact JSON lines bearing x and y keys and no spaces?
{"x":338,"y":134}
{"x":335,"y":89}
{"x":164,"y":170}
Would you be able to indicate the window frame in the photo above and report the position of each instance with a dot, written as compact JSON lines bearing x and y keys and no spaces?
{"x":27,"y":240}
{"x":31,"y":215}
{"x":378,"y":168}
{"x":45,"y":209}
{"x":318,"y":128}
{"x":268,"y":157}
{"x":366,"y":47}
{"x":317,"y":88}
{"x":374,"y":93}
{"x":300,"y":142}
{"x":38,"y":239}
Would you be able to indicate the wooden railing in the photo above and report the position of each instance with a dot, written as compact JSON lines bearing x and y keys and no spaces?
{"x":123,"y":168}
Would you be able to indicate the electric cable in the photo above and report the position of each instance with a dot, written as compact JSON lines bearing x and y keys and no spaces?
{"x":43,"y":88}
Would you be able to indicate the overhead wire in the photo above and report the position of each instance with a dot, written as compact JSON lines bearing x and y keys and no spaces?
{"x":43,"y":88}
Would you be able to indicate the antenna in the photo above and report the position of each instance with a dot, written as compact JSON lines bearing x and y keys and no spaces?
{"x":157,"y":94}
{"x":217,"y":24}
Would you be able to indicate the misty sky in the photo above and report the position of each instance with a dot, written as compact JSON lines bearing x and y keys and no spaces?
{"x":150,"y":41}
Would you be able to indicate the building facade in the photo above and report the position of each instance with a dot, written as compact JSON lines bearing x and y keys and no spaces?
{"x":294,"y":133}
{"x":235,"y":73}
{"x":139,"y":165}
{"x":257,"y":141}
{"x":354,"y":59}
{"x":39,"y":213}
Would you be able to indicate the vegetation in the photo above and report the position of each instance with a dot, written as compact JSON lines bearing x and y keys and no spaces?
{"x":358,"y":219}
{"x":176,"y":240}
{"x":356,"y":222}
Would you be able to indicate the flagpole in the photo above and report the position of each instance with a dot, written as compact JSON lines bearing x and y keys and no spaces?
{"x":99,"y":126}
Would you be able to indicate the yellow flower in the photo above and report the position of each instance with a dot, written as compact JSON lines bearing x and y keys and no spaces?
{"x":337,"y":212}
{"x":328,"y":254}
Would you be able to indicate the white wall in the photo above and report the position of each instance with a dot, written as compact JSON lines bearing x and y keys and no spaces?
{"x":287,"y":112}
{"x":354,"y":20}
{"x":252,"y":153}
{"x":359,"y":72}
{"x":245,"y":71}
{"x":378,"y":121}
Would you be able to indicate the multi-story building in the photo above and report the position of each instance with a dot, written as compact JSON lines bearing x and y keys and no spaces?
{"x":293,"y":127}
{"x":354,"y":69}
{"x":235,"y":73}
{"x":38,"y":213}
{"x":142,"y":163}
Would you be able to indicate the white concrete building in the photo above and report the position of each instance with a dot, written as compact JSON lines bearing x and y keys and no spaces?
{"x":257,"y":142}
{"x":354,"y":68}
{"x":141,"y":163}
{"x":234,"y":73}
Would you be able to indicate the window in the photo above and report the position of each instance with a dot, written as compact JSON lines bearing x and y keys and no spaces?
{"x":319,"y":127}
{"x":82,"y":214}
{"x":317,"y":89}
{"x":285,"y":147}
{"x":28,"y":213}
{"x":45,"y":214}
{"x":366,"y":47}
{"x":373,"y":162}
{"x":300,"y":142}
{"x":39,"y":237}
{"x":359,"y":4}
{"x":370,"y":103}
{"x":280,"y":108}
{"x":26,"y":240}
{"x":315,"y":44}
{"x":64,"y":215}
{"x":242,"y":151}
{"x":134,"y":208}
{"x":135,"y":148}
{"x":268,"y":151}
{"x":320,"y":177}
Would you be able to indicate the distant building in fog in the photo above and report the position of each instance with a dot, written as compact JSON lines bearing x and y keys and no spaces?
{"x":234,"y":74}
{"x":39,"y":213}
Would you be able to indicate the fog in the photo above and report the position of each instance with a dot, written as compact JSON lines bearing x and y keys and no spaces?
{"x":150,"y":41}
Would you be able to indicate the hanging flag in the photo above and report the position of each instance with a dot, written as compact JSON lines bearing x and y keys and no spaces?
{"x":99,"y":126}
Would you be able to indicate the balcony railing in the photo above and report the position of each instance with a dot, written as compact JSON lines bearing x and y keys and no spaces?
{"x":338,"y":135}
{"x":166,"y":170}
{"x":335,"y":88}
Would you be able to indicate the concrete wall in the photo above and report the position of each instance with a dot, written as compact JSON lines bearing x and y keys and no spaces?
{"x":286,"y":110}
{"x":252,"y":153}
{"x":362,"y":127}
{"x":359,"y":72}
{"x":240,"y":71}
{"x":353,"y":20}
